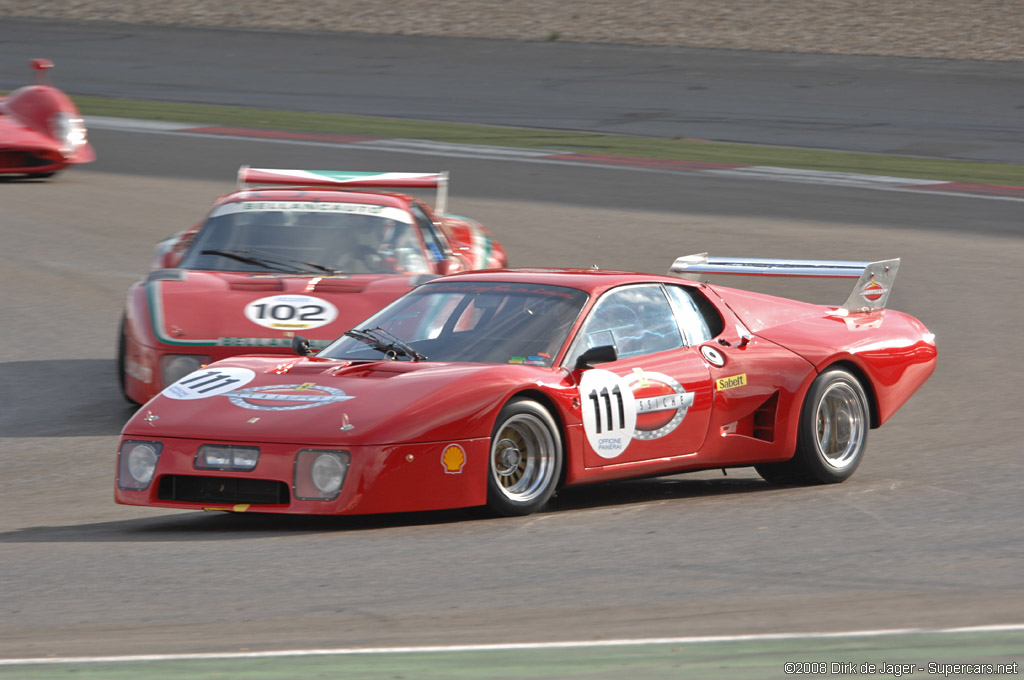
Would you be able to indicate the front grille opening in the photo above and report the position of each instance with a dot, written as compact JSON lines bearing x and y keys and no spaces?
{"x":26,"y":159}
{"x":189,"y":489}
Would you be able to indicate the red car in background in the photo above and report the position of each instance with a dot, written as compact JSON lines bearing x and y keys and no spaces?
{"x":289,"y":252}
{"x":498,"y":387}
{"x":41,"y":130}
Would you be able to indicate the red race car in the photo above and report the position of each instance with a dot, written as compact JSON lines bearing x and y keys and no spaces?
{"x":41,"y":130}
{"x":496,"y":388}
{"x":309,"y":252}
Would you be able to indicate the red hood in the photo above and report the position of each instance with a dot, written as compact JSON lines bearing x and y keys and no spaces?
{"x":334,"y":403}
{"x":221,"y":308}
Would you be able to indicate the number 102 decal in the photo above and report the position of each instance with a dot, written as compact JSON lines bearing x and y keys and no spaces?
{"x":291,"y":312}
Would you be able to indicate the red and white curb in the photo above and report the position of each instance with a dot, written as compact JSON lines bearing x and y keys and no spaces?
{"x":664,"y":166}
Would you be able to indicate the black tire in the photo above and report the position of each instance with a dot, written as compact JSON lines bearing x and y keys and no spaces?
{"x":122,"y":357}
{"x":832,"y":435}
{"x":525,"y":462}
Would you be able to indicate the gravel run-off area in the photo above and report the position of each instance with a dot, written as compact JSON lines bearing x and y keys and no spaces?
{"x":991,"y":30}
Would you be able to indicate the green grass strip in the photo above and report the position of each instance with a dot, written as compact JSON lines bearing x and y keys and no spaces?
{"x":922,"y":655}
{"x":569,"y":142}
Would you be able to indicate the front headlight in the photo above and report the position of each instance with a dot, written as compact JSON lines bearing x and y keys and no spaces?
{"x":174,"y":367}
{"x":136,"y":464}
{"x":68,"y":131}
{"x":319,"y":475}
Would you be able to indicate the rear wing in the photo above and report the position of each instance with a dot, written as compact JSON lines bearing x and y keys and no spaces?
{"x":338,"y":178}
{"x":874,"y":279}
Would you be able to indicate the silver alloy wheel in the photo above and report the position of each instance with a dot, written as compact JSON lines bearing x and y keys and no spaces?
{"x":840,"y":424}
{"x":523,"y":458}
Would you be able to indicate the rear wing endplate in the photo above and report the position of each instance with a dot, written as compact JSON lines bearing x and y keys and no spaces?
{"x":874,"y":279}
{"x":339,"y":178}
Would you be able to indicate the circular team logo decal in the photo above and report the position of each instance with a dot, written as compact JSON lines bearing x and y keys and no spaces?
{"x":713,"y":356}
{"x":286,"y":397}
{"x":609,"y":412}
{"x":291,"y":312}
{"x":209,"y":382}
{"x":873,"y":291}
{"x":661,"y":404}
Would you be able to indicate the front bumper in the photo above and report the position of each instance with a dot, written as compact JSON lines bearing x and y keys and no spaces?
{"x":380,"y":479}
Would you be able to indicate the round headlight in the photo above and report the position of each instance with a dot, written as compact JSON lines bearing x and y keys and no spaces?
{"x":328,"y":473}
{"x":142,"y":462}
{"x":174,"y":367}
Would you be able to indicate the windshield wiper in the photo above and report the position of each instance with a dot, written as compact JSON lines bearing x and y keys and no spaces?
{"x":264,"y":258}
{"x":385,"y":342}
{"x":244,"y":258}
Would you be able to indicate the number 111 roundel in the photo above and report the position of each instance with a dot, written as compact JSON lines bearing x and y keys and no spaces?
{"x":609,"y":412}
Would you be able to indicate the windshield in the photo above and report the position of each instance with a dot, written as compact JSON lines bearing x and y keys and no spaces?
{"x":490,"y":322}
{"x":307,"y":237}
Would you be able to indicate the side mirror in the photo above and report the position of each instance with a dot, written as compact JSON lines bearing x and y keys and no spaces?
{"x":301,"y":346}
{"x":601,"y":354}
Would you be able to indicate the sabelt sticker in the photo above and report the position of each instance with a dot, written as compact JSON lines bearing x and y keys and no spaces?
{"x":713,"y":356}
{"x":609,"y":412}
{"x":291,"y":312}
{"x":453,"y":459}
{"x":731,"y":382}
{"x":209,"y":382}
{"x":661,"y":404}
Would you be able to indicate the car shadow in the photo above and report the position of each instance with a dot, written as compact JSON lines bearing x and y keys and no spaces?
{"x":61,"y":398}
{"x":220,"y":526}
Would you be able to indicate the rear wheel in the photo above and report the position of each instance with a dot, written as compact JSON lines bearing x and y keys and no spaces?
{"x":832,"y":436}
{"x":525,"y":461}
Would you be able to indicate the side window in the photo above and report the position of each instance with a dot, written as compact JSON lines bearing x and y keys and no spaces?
{"x":433,"y":240}
{"x":698,"y":318}
{"x":635,"y":320}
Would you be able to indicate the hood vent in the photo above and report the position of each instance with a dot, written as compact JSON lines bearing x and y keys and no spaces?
{"x":256,"y":284}
{"x":327,"y":285}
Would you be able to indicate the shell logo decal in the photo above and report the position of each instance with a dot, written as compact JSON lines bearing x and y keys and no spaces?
{"x":453,"y":459}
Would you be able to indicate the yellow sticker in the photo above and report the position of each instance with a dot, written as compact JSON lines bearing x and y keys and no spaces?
{"x":731,"y":382}
{"x":239,"y":508}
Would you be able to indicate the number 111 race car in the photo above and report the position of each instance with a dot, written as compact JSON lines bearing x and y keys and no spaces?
{"x":498,"y":387}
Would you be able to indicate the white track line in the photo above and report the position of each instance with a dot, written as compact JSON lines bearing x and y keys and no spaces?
{"x":569,"y":644}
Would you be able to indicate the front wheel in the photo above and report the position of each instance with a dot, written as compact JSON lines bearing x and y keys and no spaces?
{"x":525,"y":461}
{"x":833,"y":433}
{"x":122,"y":361}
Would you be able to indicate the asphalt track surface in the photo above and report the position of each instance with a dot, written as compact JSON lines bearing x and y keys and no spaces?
{"x":926,"y":107}
{"x":927,"y":534}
